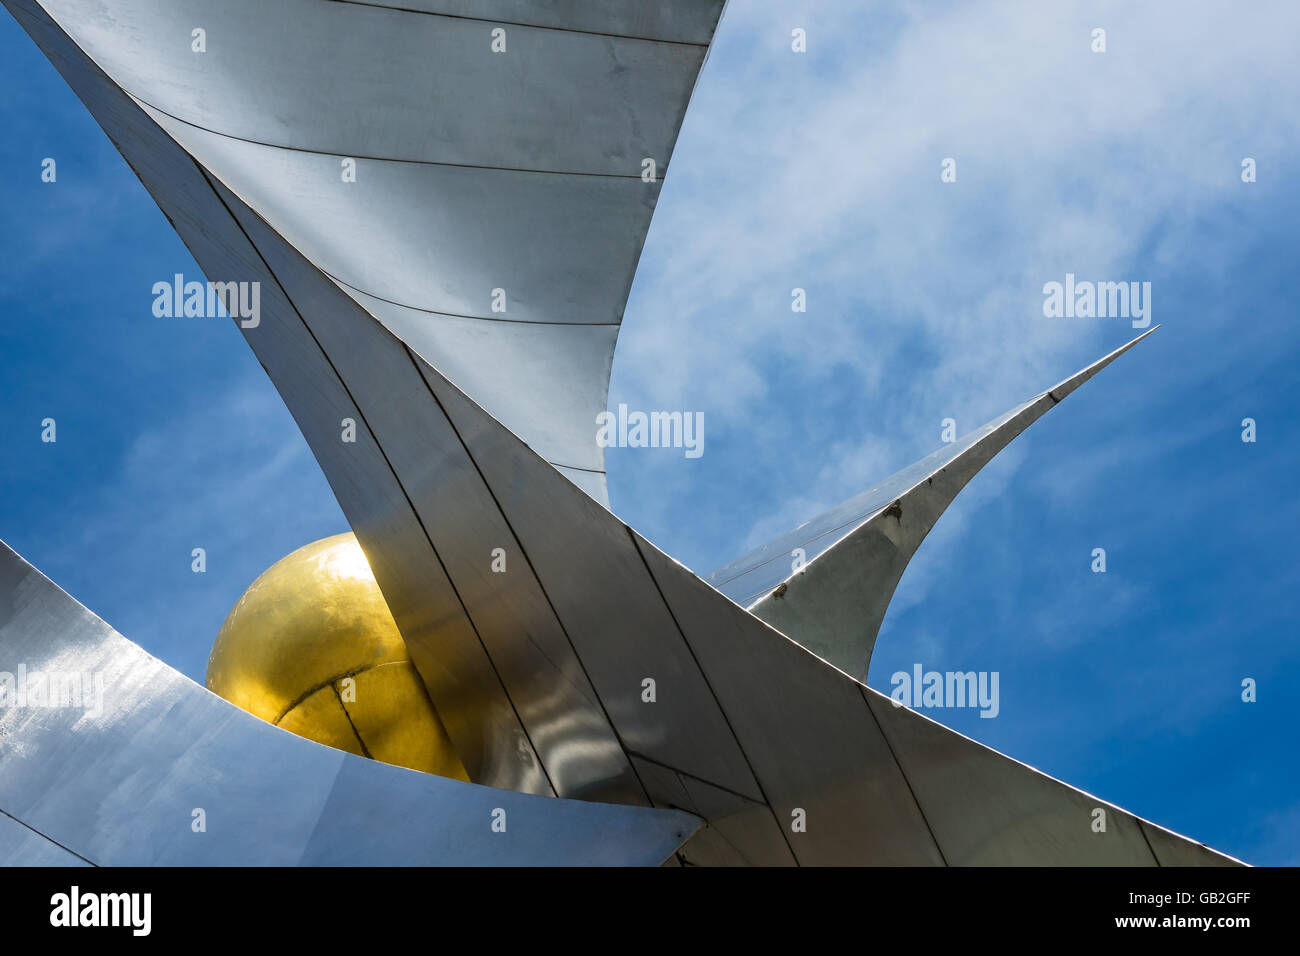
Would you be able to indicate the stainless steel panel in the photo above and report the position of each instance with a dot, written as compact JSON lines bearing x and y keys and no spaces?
{"x":552,"y":654}
{"x":446,"y":647}
{"x":681,"y":21}
{"x":441,"y":238}
{"x":618,"y":623}
{"x":118,"y":784}
{"x":805,"y":730}
{"x":519,"y":171}
{"x":988,"y":810}
{"x":367,"y":82}
{"x":509,"y":612}
{"x":480,"y":717}
{"x":740,"y":832}
{"x":1171,"y":849}
{"x":753,"y":575}
{"x":22,"y":846}
{"x":591,"y":482}
{"x":546,"y":383}
{"x":857,"y":551}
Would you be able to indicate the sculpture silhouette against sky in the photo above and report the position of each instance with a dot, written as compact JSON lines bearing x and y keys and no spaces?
{"x":441,"y":207}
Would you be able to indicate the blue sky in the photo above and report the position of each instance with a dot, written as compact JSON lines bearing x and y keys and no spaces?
{"x":818,"y":171}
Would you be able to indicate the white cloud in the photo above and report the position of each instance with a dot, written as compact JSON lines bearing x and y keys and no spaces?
{"x":822,"y":171}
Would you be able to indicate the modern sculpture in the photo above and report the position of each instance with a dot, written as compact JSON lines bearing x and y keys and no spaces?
{"x":442,"y":205}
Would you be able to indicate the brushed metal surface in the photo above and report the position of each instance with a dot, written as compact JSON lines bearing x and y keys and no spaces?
{"x":519,"y":171}
{"x":118,"y":784}
{"x":536,"y":379}
{"x":745,"y":725}
{"x":22,"y":846}
{"x":856,"y":553}
{"x":804,"y":731}
{"x":311,"y":75}
{"x":439,"y":238}
{"x":680,"y":22}
{"x":986,"y":809}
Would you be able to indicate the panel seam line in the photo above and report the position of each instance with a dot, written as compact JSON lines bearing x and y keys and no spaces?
{"x":47,"y":838}
{"x":518,"y":23}
{"x":536,"y":577}
{"x":379,"y":447}
{"x":866,"y":702}
{"x":717,"y":703}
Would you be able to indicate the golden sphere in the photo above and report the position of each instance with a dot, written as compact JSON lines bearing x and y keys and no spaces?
{"x":312,"y":647}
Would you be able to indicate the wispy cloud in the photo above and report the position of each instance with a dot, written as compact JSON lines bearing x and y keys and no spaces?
{"x":821,"y":171}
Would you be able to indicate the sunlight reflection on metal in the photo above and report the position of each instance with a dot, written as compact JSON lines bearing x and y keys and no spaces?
{"x":118,"y":779}
{"x":748,"y":730}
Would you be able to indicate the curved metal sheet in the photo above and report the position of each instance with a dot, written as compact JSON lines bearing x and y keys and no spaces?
{"x":807,"y":736}
{"x":986,"y":809}
{"x":542,"y":671}
{"x":518,"y":171}
{"x":682,"y":22}
{"x":538,"y":377}
{"x":856,"y":553}
{"x":117,"y":779}
{"x":1170,"y":849}
{"x":20,"y":845}
{"x":439,"y":239}
{"x":308,"y":75}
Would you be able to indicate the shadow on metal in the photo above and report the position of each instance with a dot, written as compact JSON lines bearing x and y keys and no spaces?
{"x":597,"y":666}
{"x":109,"y":757}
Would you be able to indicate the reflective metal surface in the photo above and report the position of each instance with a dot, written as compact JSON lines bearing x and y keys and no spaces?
{"x":22,"y":846}
{"x":854,"y":555}
{"x":312,"y":647}
{"x":677,"y":22}
{"x":519,"y":171}
{"x":595,"y":666}
{"x":986,"y":809}
{"x":117,"y":779}
{"x":792,"y":734}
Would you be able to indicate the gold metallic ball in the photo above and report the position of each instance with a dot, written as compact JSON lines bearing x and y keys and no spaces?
{"x":312,"y":647}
